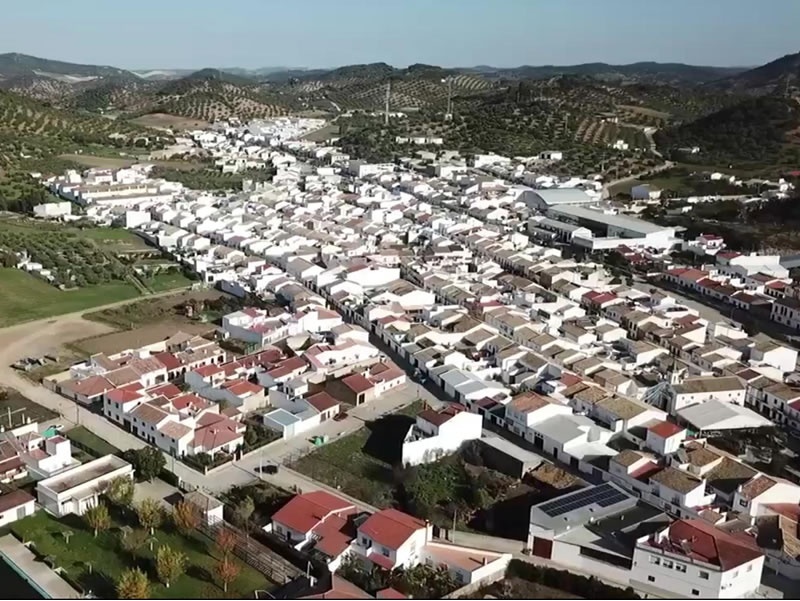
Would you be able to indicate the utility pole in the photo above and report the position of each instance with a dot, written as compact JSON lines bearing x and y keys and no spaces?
{"x":388,"y":97}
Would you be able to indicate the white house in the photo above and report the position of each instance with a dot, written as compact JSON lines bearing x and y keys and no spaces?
{"x":439,"y":433}
{"x":15,"y":505}
{"x":78,"y":489}
{"x":693,"y":559}
{"x":692,"y":391}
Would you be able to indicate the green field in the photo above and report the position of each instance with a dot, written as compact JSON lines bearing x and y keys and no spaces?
{"x":93,"y":443}
{"x":24,"y":297}
{"x":167,"y":281}
{"x":96,"y":563}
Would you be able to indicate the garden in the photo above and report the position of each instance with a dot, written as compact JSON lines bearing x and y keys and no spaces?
{"x":365,"y":465}
{"x":118,"y":550}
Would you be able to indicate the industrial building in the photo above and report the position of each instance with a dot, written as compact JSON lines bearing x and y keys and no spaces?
{"x":600,"y":230}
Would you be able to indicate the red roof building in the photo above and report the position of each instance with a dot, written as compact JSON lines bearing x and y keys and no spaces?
{"x":296,"y":520}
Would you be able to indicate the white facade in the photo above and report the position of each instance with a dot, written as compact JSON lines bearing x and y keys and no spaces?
{"x":426,"y":441}
{"x":678,"y":571}
{"x":78,"y":489}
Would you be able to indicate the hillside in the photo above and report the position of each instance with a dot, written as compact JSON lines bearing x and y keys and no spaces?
{"x":757,"y":133}
{"x":651,"y":72}
{"x":781,"y":75}
{"x":32,"y":135}
{"x":16,"y":65}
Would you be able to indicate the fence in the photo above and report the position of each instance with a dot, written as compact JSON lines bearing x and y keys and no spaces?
{"x":253,"y":553}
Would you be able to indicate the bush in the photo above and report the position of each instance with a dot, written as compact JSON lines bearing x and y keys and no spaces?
{"x":582,"y":586}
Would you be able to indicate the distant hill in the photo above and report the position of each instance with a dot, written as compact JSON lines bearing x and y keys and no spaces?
{"x":757,"y":132}
{"x":781,"y":76}
{"x":16,"y":65}
{"x":637,"y":72}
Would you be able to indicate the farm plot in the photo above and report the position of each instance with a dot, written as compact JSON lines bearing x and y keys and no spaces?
{"x":24,"y":297}
{"x":67,"y":257}
{"x":16,"y":409}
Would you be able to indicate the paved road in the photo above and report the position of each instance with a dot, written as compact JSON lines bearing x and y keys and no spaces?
{"x":631,"y":178}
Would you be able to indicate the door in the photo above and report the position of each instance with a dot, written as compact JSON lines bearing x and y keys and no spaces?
{"x":542,"y":547}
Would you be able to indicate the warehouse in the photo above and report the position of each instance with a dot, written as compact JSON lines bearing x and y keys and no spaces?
{"x":611,"y":230}
{"x":542,"y":200}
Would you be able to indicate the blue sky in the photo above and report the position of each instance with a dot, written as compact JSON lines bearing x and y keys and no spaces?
{"x":327,"y":33}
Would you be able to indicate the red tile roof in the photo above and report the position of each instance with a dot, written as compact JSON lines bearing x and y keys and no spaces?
{"x":437,"y":418}
{"x":13,"y":499}
{"x":390,"y":593}
{"x":168,"y":390}
{"x":322,"y":401}
{"x":357,"y":383}
{"x":665,"y":429}
{"x":306,"y":511}
{"x":390,"y":527}
{"x":121,"y":395}
{"x":701,"y":541}
{"x":242,"y":387}
{"x":169,"y":360}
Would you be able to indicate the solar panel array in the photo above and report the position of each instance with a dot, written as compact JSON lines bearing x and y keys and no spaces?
{"x":604,"y":495}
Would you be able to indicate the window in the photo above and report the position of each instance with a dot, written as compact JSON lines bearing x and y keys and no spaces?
{"x":703,"y":575}
{"x":651,"y":578}
{"x":655,"y":560}
{"x":750,"y":568}
{"x":384,"y":551}
{"x":667,"y":563}
{"x":695,"y":592}
{"x":743,"y":502}
{"x":680,"y":567}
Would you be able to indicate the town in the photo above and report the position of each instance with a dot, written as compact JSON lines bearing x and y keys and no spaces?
{"x":632,"y":393}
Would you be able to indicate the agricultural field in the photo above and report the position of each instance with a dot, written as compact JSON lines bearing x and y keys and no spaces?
{"x":24,"y":297}
{"x":136,"y":337}
{"x":16,"y":409}
{"x":172,"y":122}
{"x":69,"y":257}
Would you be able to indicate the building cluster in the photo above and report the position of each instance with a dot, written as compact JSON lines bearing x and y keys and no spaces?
{"x":333,"y":529}
{"x":480,"y":282}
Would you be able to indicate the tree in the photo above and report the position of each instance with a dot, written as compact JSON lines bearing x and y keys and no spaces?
{"x":131,"y":540}
{"x":186,"y":517}
{"x":120,"y":491}
{"x":169,"y":564}
{"x":133,"y":584}
{"x":227,"y":572}
{"x":98,"y":518}
{"x":148,"y":462}
{"x":150,"y":514}
{"x":243,"y":512}
{"x":226,"y":541}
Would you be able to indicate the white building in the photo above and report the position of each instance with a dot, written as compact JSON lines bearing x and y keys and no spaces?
{"x":439,"y":433}
{"x":78,"y":489}
{"x":52,"y":210}
{"x":693,"y":559}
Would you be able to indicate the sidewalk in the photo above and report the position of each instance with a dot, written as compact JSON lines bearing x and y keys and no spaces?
{"x":41,"y":577}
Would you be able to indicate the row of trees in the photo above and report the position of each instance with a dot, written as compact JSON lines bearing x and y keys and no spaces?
{"x":169,"y":563}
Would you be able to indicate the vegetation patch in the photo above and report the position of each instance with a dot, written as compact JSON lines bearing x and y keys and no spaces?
{"x":97,"y":562}
{"x":24,"y":297}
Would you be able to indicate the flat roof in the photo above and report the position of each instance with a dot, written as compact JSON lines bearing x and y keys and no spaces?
{"x":559,"y":196}
{"x":84,"y":473}
{"x":719,"y":415}
{"x":621,"y":221}
{"x":582,"y":506}
{"x":509,"y":448}
{"x":282,"y":417}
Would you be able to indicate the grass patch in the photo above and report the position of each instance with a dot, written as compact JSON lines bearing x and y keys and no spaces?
{"x":15,"y":409}
{"x":167,"y":281}
{"x":345,"y":465}
{"x":90,"y":442}
{"x":108,"y":560}
{"x":24,"y":297}
{"x":366,"y":465}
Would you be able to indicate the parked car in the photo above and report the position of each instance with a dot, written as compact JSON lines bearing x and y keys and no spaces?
{"x":268,"y":469}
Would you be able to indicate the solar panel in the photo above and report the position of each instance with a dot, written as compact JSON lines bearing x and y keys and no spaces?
{"x":604,"y":495}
